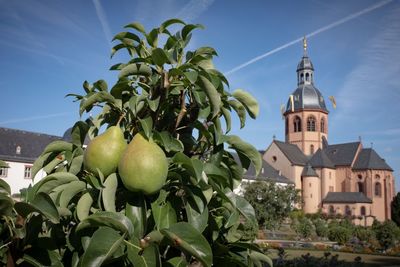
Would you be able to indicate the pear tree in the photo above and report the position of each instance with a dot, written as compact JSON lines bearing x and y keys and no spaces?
{"x":167,"y":199}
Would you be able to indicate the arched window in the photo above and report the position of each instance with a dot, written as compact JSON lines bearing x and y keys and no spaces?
{"x":331,"y":209}
{"x":360,"y":187}
{"x":307,"y":77}
{"x":302,"y":77}
{"x":322,"y":125}
{"x":359,"y":176}
{"x":362,"y":211}
{"x":347,"y":210}
{"x":297,"y":124}
{"x":377,"y":177}
{"x":311,"y":124}
{"x":378,"y":189}
{"x":311,"y":149}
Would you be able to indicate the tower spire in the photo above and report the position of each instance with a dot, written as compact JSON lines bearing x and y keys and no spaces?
{"x":305,"y":45}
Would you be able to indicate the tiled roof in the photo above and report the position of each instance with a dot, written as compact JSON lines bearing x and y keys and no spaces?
{"x":292,"y":152}
{"x":342,"y":154}
{"x":31,"y":144}
{"x":267,"y":173}
{"x":368,"y":159}
{"x":308,"y":171}
{"x":346,"y":197}
{"x":321,"y":160}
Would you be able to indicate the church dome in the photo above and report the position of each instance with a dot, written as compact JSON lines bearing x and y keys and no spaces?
{"x":306,"y":96}
{"x":305,"y":63}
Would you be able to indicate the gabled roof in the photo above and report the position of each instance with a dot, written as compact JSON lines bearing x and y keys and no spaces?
{"x":267,"y":173}
{"x":368,"y":159}
{"x":308,"y":171}
{"x":292,"y":152}
{"x":31,"y":144}
{"x":346,"y":197}
{"x":321,"y":160}
{"x":342,"y":154}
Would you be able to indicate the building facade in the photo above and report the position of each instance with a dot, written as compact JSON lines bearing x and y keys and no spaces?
{"x":334,"y":178}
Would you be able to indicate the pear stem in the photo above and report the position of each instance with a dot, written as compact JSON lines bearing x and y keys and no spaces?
{"x":120,"y":118}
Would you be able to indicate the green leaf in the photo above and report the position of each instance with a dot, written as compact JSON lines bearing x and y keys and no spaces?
{"x":153,"y":104}
{"x":114,"y":220}
{"x":147,"y":126}
{"x":248,"y":101}
{"x":193,"y":166}
{"x":104,"y":242}
{"x":79,"y":132}
{"x":196,"y":219}
{"x":242,"y":205}
{"x":41,"y":203}
{"x":147,"y":257}
{"x":53,"y":180}
{"x":6,"y":205}
{"x":83,"y":206}
{"x":258,"y":258}
{"x":98,"y":97}
{"x":101,"y":85}
{"x":137,"y":26}
{"x":188,"y":28}
{"x":176,"y":262}
{"x":191,"y":76}
{"x":152,"y":37}
{"x":169,"y":22}
{"x":240,"y":110}
{"x":58,"y":146}
{"x":109,"y":192}
{"x":135,"y":69}
{"x":67,"y":194}
{"x":126,"y":35}
{"x":159,"y":57}
{"x":227,"y":115}
{"x":212,"y":94}
{"x":247,"y":150}
{"x":5,"y":187}
{"x":135,"y":210}
{"x":190,"y":241}
{"x":166,"y":140}
{"x":39,"y":163}
{"x":76,"y":165}
{"x":163,"y":212}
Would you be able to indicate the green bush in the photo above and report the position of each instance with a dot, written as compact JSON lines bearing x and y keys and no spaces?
{"x":339,"y":234}
{"x":321,"y":228}
{"x":387,"y":233}
{"x":304,"y":227}
{"x":363,"y":233}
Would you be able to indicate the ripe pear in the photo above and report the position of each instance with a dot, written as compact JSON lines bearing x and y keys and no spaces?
{"x":104,"y":151}
{"x":143,"y":166}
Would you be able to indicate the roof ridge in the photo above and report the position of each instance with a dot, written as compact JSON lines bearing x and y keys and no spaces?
{"x":30,"y":132}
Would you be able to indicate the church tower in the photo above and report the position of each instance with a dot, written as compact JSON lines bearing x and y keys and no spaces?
{"x":306,"y":116}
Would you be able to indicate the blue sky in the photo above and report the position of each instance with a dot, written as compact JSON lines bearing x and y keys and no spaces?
{"x":48,"y":48}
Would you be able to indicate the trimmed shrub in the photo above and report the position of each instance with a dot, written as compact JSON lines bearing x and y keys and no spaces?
{"x":339,"y":234}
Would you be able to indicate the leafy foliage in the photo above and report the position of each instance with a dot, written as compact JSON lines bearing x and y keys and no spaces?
{"x":177,"y":98}
{"x":271,"y":202}
{"x":396,"y":209}
{"x":339,"y":234}
{"x":387,"y":233}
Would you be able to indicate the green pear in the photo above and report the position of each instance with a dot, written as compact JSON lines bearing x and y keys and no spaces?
{"x":143,"y":166}
{"x":104,"y":151}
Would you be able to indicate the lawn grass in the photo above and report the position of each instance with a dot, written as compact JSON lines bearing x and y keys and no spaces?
{"x":369,"y":260}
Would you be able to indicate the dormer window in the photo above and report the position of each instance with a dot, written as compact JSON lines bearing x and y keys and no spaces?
{"x":18,"y":150}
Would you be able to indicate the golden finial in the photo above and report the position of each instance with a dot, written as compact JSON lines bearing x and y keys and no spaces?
{"x":305,"y":44}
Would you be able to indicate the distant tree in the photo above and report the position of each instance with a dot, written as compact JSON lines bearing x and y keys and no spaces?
{"x":272,"y":203}
{"x":304,"y":227}
{"x":387,"y":233}
{"x":396,"y":209}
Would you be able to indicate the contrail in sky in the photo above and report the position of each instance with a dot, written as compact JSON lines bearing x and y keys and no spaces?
{"x":36,"y":118}
{"x":318,"y":31}
{"x":103,"y":20}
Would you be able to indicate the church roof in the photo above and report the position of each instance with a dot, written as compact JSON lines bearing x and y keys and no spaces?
{"x":346,"y":197}
{"x":321,"y":160}
{"x":31,"y":144}
{"x":306,"y":96}
{"x":308,"y":171}
{"x":305,"y":63}
{"x":292,"y":152}
{"x":342,"y":154}
{"x":267,"y":173}
{"x":369,"y":159}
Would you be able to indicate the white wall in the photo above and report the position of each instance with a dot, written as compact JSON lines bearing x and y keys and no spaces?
{"x":15,"y":176}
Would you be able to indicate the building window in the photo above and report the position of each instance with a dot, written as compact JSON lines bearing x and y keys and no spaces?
{"x":378,"y":189}
{"x":297,"y":124}
{"x":330,"y":175}
{"x":28,"y":172}
{"x":362,"y":211}
{"x":274,"y":159}
{"x":331,"y":209}
{"x":18,"y":150}
{"x":307,"y":76}
{"x":359,"y":176}
{"x":311,"y":149}
{"x":309,"y":184}
{"x":311,"y":124}
{"x":331,"y":189}
{"x":3,"y":172}
{"x":347,"y":210}
{"x":360,"y":187}
{"x":377,"y":177}
{"x":322,"y":125}
{"x":310,"y":195}
{"x":302,"y":77}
